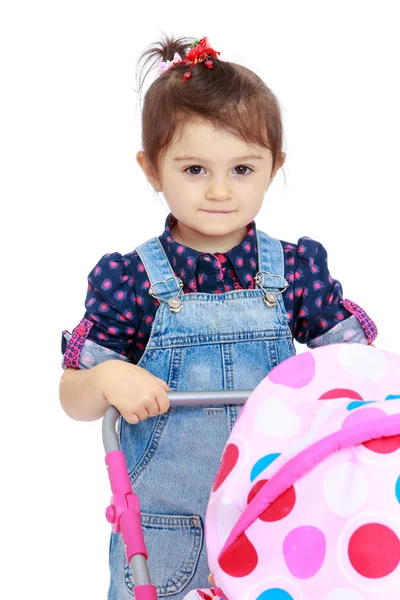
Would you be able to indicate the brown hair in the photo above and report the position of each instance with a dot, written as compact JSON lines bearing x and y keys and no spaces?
{"x":228,"y":96}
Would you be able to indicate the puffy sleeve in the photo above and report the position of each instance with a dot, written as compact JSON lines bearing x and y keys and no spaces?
{"x":321,"y":315}
{"x":108,"y":328}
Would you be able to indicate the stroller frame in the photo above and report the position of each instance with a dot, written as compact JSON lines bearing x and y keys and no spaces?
{"x":123,"y":513}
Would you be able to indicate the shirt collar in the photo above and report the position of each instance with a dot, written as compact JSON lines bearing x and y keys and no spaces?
{"x":184,"y":260}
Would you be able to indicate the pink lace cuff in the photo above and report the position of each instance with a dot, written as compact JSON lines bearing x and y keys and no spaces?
{"x":75,"y":344}
{"x":369,"y":327}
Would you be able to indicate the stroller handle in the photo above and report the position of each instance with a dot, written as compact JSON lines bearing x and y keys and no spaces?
{"x":232,"y":397}
{"x":124,"y":510}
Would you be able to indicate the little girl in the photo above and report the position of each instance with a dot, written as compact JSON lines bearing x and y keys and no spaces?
{"x":211,"y":304}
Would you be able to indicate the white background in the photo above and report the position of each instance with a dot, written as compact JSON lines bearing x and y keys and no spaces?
{"x":71,"y":191}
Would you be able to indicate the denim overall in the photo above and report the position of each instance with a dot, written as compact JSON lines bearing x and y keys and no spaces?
{"x":227,"y":341}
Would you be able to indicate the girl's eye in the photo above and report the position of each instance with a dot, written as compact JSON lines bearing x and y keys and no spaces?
{"x":194,"y":167}
{"x":241,"y":167}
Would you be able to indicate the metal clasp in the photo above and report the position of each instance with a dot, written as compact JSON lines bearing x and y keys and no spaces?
{"x":175,"y":304}
{"x":271,"y":298}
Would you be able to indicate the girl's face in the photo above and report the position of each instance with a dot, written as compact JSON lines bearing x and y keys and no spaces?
{"x":214,"y":184}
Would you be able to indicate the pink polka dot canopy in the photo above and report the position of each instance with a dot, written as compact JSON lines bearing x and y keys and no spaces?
{"x":306,"y":503}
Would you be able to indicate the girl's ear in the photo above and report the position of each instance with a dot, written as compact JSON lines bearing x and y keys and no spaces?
{"x":148,"y":171}
{"x":279,"y":163}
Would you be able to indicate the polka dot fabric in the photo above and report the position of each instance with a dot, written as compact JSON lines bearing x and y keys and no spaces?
{"x":122,"y":312}
{"x":306,"y":504}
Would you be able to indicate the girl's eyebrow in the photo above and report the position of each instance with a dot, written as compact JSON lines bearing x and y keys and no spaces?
{"x":202,"y":160}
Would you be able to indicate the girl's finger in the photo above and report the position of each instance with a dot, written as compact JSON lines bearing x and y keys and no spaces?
{"x":163,"y":401}
{"x":142,"y":413}
{"x":153,"y":408}
{"x":132,"y":418}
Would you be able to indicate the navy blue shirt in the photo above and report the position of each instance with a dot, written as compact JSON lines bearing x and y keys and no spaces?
{"x":121,"y":312}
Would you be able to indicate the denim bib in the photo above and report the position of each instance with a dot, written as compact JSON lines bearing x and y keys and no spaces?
{"x":199,"y":342}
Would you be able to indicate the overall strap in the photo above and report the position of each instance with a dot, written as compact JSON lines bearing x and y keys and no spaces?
{"x":158,"y":268}
{"x":271,"y":269}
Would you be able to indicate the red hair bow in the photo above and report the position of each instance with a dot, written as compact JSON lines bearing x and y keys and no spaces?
{"x":199,"y":52}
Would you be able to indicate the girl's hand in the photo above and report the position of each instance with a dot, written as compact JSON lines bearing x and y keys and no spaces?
{"x":135,"y":392}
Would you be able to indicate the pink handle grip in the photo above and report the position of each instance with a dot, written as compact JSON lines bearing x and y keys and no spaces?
{"x":118,"y":472}
{"x":145,"y":592}
{"x":131,"y":529}
{"x":124,"y":510}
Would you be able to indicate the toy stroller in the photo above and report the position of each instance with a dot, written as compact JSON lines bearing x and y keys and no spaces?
{"x":306,"y":503}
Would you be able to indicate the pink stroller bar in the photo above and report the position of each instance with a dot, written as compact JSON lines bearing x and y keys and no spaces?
{"x":123,"y":513}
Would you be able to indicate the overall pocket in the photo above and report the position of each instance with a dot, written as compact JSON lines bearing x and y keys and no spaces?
{"x":139,"y":442}
{"x":173,"y":544}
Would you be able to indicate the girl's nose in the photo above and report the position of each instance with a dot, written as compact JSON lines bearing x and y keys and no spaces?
{"x":219,"y":190}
